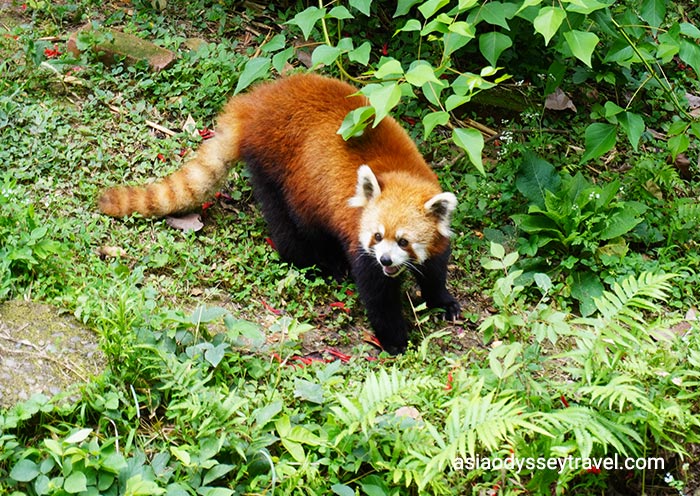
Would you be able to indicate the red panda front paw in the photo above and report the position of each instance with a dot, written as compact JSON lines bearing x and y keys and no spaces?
{"x":453,"y":311}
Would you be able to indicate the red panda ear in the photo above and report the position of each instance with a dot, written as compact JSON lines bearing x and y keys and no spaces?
{"x":367,"y":187}
{"x":441,"y":206}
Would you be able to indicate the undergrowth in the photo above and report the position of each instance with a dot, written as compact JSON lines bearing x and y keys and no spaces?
{"x":575,"y":256}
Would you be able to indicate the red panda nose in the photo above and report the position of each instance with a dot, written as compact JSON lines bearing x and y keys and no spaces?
{"x":385,"y":260}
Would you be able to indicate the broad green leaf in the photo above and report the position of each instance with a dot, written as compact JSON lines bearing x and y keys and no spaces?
{"x":471,"y":141}
{"x":690,"y":54}
{"x":585,"y":7}
{"x":582,"y":44}
{"x":388,"y":67}
{"x":384,"y":99}
{"x":600,"y":138}
{"x":342,"y":490}
{"x":309,"y":391}
{"x":535,"y":176}
{"x":420,"y":73}
{"x":633,"y":125}
{"x":307,"y":19}
{"x":215,"y":354}
{"x":498,"y":13}
{"x":75,"y":483}
{"x":204,"y":314}
{"x":453,"y":42}
{"x":361,"y":5}
{"x":277,"y":42}
{"x":435,"y":119}
{"x":78,"y":436}
{"x":612,"y":110}
{"x":355,"y":122}
{"x":678,"y":144}
{"x":24,"y":470}
{"x":690,"y":30}
{"x":411,"y":25}
{"x":492,"y":45}
{"x":361,"y":54}
{"x":548,"y":21}
{"x":280,"y":59}
{"x":620,"y":224}
{"x":430,"y":7}
{"x":584,"y":287}
{"x":254,"y":69}
{"x":324,"y":55}
{"x":653,"y":11}
{"x":340,"y":12}
{"x":462,"y":28}
{"x":528,"y":3}
{"x":403,"y":6}
{"x":216,"y":472}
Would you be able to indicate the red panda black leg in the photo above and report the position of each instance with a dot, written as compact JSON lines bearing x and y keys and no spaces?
{"x":431,"y":277}
{"x":381,"y":297}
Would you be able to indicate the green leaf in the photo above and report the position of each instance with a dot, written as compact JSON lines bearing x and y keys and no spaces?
{"x":678,"y":144}
{"x":342,"y":490}
{"x":582,"y":44}
{"x":492,"y":45}
{"x":388,"y":67}
{"x":600,"y":138}
{"x":277,"y":42}
{"x":535,"y":176}
{"x":361,"y":54}
{"x":548,"y":21}
{"x":653,"y":12}
{"x":430,"y":7}
{"x":204,"y":314}
{"x":585,"y":7}
{"x":690,"y":54}
{"x":78,"y":436}
{"x":585,"y":286}
{"x":309,"y":391}
{"x":633,"y":125}
{"x":340,"y":12}
{"x":411,"y":25}
{"x":435,"y":119}
{"x":355,"y":122}
{"x":324,"y":55}
{"x":420,"y":73}
{"x":471,"y":141}
{"x":280,"y":59}
{"x":384,"y":98}
{"x":361,"y":5}
{"x":216,"y":472}
{"x":498,"y":13}
{"x":307,"y":19}
{"x":75,"y":483}
{"x":215,"y":354}
{"x":254,"y":69}
{"x":24,"y":470}
{"x":404,"y":6}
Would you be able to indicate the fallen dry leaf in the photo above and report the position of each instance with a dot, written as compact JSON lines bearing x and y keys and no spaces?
{"x":186,"y":223}
{"x":559,"y":101}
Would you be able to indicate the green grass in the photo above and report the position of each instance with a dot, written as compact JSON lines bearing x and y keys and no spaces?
{"x":205,"y":392}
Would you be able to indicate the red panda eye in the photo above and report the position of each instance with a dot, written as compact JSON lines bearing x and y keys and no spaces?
{"x":377,"y":237}
{"x":402,"y":242}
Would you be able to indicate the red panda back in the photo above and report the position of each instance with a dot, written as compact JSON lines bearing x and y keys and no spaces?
{"x":289,"y":129}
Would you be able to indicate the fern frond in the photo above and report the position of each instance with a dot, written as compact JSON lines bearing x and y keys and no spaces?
{"x":622,"y":390}
{"x":622,"y":309}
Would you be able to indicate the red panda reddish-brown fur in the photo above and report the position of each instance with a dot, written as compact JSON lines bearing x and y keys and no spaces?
{"x":370,"y":204}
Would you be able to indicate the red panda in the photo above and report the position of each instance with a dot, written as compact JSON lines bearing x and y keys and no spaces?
{"x":370,"y":204}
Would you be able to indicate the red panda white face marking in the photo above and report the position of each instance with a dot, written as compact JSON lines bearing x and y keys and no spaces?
{"x":396,"y":226}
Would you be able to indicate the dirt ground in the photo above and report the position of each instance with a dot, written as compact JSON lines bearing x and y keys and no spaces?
{"x":43,"y":351}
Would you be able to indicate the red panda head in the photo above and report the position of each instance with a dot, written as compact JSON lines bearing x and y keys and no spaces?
{"x":403,"y":222}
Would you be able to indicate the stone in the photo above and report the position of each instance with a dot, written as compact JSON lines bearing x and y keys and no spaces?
{"x":120,"y":46}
